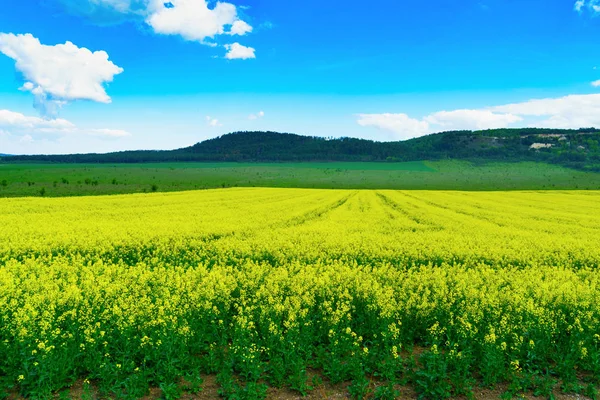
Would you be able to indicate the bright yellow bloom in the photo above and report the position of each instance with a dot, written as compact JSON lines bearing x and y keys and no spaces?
{"x":252,"y":270}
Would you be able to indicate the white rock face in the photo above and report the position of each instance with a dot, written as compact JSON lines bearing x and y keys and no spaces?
{"x":537,"y":146}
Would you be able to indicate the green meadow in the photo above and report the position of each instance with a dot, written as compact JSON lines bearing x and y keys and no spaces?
{"x":102,"y":179}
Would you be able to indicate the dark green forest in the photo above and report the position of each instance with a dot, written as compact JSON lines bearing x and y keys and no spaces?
{"x":578,"y":149}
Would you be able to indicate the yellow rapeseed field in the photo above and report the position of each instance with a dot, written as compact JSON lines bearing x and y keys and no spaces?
{"x":442,"y":291}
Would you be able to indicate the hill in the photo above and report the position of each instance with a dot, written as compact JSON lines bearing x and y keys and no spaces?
{"x":572,"y":148}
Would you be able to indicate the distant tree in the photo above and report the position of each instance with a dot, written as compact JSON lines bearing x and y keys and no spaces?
{"x":489,"y":145}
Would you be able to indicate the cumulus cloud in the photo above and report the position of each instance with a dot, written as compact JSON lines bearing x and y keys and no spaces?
{"x":256,"y":116}
{"x":596,"y":83}
{"x":23,"y":126}
{"x":573,"y":111}
{"x":569,"y":112}
{"x":401,"y":125}
{"x":11,"y":119}
{"x":61,"y":73}
{"x":26,"y":139}
{"x":106,"y":133}
{"x":212,"y":122}
{"x":471,"y":119}
{"x":592,"y":5}
{"x":240,"y":27}
{"x":236,"y":51}
{"x":193,"y":20}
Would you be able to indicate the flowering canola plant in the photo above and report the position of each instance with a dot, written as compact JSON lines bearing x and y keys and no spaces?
{"x":438,"y":290}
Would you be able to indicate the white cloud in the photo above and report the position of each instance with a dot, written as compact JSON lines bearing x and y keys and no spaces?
{"x":240,"y":28}
{"x":596,"y":83}
{"x":400,"y":124}
{"x":11,"y":119}
{"x":60,"y":73}
{"x":592,"y":5}
{"x":17,"y":124}
{"x":573,"y":111}
{"x":212,"y":122}
{"x":404,"y":127}
{"x":194,"y":20}
{"x":258,"y":115}
{"x":108,"y":133}
{"x":553,"y":106}
{"x":471,"y":119}
{"x":569,"y":112}
{"x":26,"y":139}
{"x":236,"y":51}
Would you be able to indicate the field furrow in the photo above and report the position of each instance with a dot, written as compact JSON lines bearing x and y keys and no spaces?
{"x":284,"y":287}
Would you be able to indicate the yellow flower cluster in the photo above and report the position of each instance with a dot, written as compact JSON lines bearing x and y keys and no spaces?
{"x":111,"y":286}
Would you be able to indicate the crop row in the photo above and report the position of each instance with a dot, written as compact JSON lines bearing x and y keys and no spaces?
{"x":442,"y":291}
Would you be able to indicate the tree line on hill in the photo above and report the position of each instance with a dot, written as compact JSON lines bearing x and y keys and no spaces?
{"x":573,"y":148}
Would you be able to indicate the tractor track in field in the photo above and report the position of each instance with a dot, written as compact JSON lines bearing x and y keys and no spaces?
{"x":315,"y":214}
{"x":394,"y":205}
{"x":453,"y":210}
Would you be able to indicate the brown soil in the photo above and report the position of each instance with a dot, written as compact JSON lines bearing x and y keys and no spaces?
{"x":326,"y":390}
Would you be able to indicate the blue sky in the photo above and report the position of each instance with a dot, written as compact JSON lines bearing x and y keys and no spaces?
{"x":149,"y":74}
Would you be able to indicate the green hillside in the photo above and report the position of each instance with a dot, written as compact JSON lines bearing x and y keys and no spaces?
{"x":571,"y":148}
